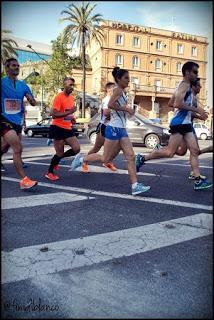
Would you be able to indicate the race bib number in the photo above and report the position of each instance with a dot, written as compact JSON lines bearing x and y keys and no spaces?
{"x":12,"y":106}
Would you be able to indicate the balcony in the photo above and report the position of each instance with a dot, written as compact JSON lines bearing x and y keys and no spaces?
{"x":145,"y":89}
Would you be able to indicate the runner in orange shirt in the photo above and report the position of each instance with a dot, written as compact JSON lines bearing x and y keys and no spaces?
{"x":61,"y":128}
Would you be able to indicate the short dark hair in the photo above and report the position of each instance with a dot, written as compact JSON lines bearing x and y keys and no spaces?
{"x":194,"y":83}
{"x":188,"y":66}
{"x":68,"y":78}
{"x":9,"y":60}
{"x":118,"y":73}
{"x":109,"y":85}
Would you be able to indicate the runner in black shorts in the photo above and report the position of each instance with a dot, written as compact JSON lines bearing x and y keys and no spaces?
{"x":100,"y":131}
{"x":61,"y":128}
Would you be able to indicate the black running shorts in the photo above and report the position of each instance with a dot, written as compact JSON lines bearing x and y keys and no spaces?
{"x":181,"y":128}
{"x":101,"y":127}
{"x":59,"y":133}
{"x":6,"y":126}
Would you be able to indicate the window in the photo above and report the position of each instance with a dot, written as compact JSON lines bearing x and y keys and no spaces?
{"x":135,"y":80}
{"x":136,"y":42}
{"x":178,"y":67}
{"x":119,"y":39}
{"x":197,"y":125}
{"x":118,"y":59}
{"x":159,"y":45}
{"x":158,"y":84}
{"x":135,"y":61}
{"x":194,"y":51}
{"x":157,"y":64}
{"x":203,"y":126}
{"x":180,"y":49}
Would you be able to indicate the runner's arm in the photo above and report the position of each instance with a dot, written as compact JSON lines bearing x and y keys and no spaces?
{"x":58,"y":114}
{"x":113,"y":102}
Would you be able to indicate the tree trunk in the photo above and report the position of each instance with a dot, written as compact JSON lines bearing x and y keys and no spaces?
{"x":84,"y":75}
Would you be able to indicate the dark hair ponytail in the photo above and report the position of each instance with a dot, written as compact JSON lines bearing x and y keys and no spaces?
{"x":117,"y":73}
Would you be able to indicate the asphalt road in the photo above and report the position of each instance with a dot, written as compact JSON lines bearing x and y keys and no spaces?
{"x":106,"y":254}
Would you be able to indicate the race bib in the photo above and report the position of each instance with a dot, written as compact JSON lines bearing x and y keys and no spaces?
{"x":12,"y":106}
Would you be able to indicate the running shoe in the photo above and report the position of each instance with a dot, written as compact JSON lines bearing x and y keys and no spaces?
{"x":76,"y":162}
{"x":139,"y":161}
{"x":202,"y":184}
{"x":3,"y":169}
{"x":51,"y":176}
{"x":85,"y":167}
{"x":110,"y":166}
{"x":62,"y":161}
{"x":25,"y":165}
{"x":192,"y":177}
{"x":49,"y":142}
{"x":140,"y":188}
{"x":27,"y":183}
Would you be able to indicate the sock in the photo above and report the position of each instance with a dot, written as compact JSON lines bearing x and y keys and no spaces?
{"x":81,"y":160}
{"x":54,"y":162}
{"x":134,"y":185}
{"x":69,"y":153}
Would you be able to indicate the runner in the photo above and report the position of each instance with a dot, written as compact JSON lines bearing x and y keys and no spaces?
{"x":100,"y":138}
{"x":181,"y":126}
{"x":12,"y":115}
{"x":116,"y":137}
{"x":61,"y":128}
{"x":182,"y":149}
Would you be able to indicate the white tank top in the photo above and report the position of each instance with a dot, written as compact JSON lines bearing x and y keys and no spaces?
{"x":118,"y":118}
{"x":104,"y":105}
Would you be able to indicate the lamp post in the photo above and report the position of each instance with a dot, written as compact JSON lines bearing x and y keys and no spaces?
{"x":42,"y":87}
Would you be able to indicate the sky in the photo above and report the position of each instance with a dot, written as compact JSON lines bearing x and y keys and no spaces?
{"x":39,"y":20}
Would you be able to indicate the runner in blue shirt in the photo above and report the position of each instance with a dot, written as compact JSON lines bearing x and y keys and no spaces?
{"x":12,"y":117}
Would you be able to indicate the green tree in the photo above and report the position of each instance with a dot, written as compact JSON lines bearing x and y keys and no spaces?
{"x":7,"y":46}
{"x":59,"y":66}
{"x":83,"y":27}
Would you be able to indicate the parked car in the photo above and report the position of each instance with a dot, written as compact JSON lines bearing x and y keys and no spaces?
{"x":140,"y":130}
{"x":43,"y":126}
{"x":202,"y":132}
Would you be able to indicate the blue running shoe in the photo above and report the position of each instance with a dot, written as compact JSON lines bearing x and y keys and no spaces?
{"x":76,"y":162}
{"x":49,"y":142}
{"x":139,"y":161}
{"x":140,"y":188}
{"x":25,"y":165}
{"x":202,"y":184}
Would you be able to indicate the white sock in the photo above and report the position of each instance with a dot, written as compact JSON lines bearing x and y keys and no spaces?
{"x":81,"y":160}
{"x":134,"y":185}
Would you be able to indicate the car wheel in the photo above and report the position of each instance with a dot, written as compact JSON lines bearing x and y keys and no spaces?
{"x":30,"y":133}
{"x":92,"y":137}
{"x":151,"y":141}
{"x":203,"y":136}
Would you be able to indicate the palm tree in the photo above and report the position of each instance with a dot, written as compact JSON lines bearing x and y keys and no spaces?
{"x":7,"y":46}
{"x":84,"y":26}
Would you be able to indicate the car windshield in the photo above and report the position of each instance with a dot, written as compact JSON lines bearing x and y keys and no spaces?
{"x":145,"y":120}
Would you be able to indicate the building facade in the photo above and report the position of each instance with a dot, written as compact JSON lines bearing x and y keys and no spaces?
{"x":154,"y":59}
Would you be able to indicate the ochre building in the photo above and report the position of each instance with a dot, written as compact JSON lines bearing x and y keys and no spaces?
{"x":154,"y":59}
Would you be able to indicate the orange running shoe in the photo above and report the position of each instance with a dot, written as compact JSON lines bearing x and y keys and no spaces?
{"x":51,"y":176}
{"x":27,"y":183}
{"x":110,"y":166}
{"x":85,"y":167}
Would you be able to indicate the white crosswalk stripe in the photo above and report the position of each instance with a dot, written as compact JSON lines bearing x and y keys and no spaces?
{"x":41,"y":199}
{"x":29,"y":262}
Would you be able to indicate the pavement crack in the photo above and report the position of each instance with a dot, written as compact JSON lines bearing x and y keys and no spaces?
{"x":190,"y":225}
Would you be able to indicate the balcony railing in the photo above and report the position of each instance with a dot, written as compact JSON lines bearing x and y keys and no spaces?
{"x":154,"y":88}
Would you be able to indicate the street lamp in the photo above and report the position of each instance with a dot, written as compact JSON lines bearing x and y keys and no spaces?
{"x":30,"y":47}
